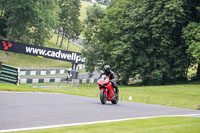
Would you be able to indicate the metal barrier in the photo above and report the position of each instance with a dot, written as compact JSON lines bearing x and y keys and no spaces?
{"x":9,"y":74}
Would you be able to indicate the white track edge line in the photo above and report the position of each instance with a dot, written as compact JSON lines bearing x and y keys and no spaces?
{"x":89,"y":123}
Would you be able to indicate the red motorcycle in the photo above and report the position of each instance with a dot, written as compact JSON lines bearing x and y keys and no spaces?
{"x":107,"y":92}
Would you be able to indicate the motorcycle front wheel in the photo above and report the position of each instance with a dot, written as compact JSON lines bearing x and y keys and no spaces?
{"x":115,"y":99}
{"x":103,"y":97}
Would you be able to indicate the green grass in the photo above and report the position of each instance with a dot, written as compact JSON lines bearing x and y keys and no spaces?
{"x":83,"y":91}
{"x":21,"y":60}
{"x":52,"y":44}
{"x":84,"y":6}
{"x":15,"y":88}
{"x":182,"y":95}
{"x":151,"y":125}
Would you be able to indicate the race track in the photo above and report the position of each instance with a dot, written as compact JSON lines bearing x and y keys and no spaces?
{"x":25,"y":110}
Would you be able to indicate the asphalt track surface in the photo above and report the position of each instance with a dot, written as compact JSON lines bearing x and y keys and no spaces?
{"x":26,"y":110}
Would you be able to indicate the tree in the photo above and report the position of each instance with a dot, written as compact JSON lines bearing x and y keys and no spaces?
{"x":29,"y":21}
{"x":191,"y":33}
{"x":143,"y":37}
{"x":2,"y":17}
{"x":103,"y":1}
{"x":69,"y":21}
{"x":91,"y":41}
{"x":44,"y":20}
{"x":14,"y":13}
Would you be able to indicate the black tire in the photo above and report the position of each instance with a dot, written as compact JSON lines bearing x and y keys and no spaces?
{"x":115,"y":100}
{"x":103,"y":98}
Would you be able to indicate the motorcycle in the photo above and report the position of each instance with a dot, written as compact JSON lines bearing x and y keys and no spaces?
{"x":107,"y":92}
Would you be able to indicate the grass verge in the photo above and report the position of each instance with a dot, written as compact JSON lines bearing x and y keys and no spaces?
{"x":21,"y":60}
{"x":150,"y":125}
{"x":180,"y":95}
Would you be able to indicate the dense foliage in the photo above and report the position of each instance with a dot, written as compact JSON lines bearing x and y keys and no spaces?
{"x":92,"y":46}
{"x":143,"y":38}
{"x":69,"y":22}
{"x":34,"y":21}
{"x":103,"y":1}
{"x":28,"y":21}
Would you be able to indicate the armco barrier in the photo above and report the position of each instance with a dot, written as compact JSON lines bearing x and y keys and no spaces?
{"x":41,"y":80}
{"x":55,"y":80}
{"x":9,"y":74}
{"x":42,"y":71}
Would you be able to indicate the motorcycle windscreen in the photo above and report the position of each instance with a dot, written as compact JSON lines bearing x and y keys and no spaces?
{"x":103,"y":78}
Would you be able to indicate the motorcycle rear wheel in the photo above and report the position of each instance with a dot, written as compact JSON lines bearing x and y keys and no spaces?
{"x":103,"y":98}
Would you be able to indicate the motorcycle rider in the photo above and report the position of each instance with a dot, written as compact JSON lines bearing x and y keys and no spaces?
{"x":108,"y":72}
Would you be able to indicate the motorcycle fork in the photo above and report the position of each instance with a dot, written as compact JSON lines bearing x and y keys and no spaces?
{"x":105,"y":91}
